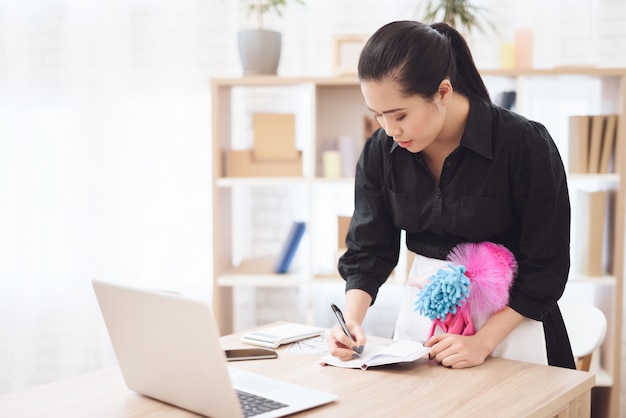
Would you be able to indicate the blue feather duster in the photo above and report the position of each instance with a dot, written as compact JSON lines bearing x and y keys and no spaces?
{"x":447,"y":289}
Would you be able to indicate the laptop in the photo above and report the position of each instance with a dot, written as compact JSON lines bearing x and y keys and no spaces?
{"x":168,"y":348}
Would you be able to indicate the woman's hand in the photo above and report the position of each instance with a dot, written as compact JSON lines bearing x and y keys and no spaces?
{"x":341,"y":346}
{"x":457,"y":351}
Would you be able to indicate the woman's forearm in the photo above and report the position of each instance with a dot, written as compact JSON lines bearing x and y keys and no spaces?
{"x":356,"y":306}
{"x":499,"y":326}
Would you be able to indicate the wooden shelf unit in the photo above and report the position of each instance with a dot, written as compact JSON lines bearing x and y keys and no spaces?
{"x":336,"y":107}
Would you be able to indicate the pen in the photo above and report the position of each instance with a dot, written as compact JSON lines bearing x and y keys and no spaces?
{"x":342,"y":322}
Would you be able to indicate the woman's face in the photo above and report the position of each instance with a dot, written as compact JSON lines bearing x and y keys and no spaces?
{"x":413,"y":122}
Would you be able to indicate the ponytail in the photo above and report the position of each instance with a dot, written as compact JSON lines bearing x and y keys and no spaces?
{"x":467,"y":76}
{"x":418,"y":57}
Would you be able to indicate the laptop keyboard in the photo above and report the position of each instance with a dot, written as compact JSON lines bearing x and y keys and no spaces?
{"x":254,"y":405}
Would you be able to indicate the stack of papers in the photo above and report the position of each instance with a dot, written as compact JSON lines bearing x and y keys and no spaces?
{"x":274,"y":336}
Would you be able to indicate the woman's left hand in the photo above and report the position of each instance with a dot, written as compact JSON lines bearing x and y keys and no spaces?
{"x":457,"y":351}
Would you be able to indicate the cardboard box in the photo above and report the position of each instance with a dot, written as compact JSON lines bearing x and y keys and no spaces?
{"x":274,"y":136}
{"x":243,"y":164}
{"x":343,"y":223}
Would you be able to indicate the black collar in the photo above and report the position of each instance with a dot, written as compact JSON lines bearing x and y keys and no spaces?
{"x":477,"y":135}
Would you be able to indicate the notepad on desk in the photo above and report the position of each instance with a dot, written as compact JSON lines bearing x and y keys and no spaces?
{"x":379,"y":355}
{"x":274,"y":336}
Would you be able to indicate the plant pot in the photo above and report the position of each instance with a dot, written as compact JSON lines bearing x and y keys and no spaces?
{"x":259,"y":51}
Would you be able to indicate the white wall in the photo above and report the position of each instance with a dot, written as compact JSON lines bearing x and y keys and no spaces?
{"x":105,"y":143}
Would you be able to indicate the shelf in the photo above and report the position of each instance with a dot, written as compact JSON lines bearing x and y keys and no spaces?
{"x":259,"y":272}
{"x":262,"y":280}
{"x":271,"y":80}
{"x":593,"y":179}
{"x":554,"y":72}
{"x":352,"y":81}
{"x":597,"y":280}
{"x":577,"y":179}
{"x":574,"y":278}
{"x":226,"y":182}
{"x":329,"y":107}
{"x":259,"y":181}
{"x":334,"y":181}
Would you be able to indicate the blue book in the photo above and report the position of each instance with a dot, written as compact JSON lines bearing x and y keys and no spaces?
{"x":290,"y":247}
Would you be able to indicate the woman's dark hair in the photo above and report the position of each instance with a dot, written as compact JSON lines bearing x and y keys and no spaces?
{"x":418,"y":57}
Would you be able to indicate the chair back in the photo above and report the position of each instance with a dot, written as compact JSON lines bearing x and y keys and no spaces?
{"x":586,"y":327}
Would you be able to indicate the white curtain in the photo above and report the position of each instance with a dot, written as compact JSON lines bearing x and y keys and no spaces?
{"x":104,"y":167}
{"x":105,"y":148}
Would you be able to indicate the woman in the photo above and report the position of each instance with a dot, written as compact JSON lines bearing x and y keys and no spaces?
{"x":450,"y":167}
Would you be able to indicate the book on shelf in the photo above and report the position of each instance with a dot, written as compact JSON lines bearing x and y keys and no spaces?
{"x":595,"y":143}
{"x":591,"y":143}
{"x":506,"y":99}
{"x":290,"y":247}
{"x":589,"y":227}
{"x":608,"y":143}
{"x":378,"y":355}
{"x":579,"y":137}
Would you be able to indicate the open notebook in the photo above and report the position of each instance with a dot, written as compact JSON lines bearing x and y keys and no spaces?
{"x":378,"y":355}
{"x":168,"y":348}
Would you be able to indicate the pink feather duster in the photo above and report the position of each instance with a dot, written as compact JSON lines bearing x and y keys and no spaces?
{"x":490,"y":269}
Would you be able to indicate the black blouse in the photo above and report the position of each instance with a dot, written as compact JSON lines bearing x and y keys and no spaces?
{"x":505,"y":183}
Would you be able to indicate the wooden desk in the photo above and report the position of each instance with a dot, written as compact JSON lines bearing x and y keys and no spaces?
{"x":500,"y":388}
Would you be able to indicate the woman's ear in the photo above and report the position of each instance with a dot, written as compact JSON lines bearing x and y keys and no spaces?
{"x":445,"y":90}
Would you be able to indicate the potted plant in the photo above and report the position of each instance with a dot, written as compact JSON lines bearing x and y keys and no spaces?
{"x":259,"y":49}
{"x":460,"y":14}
